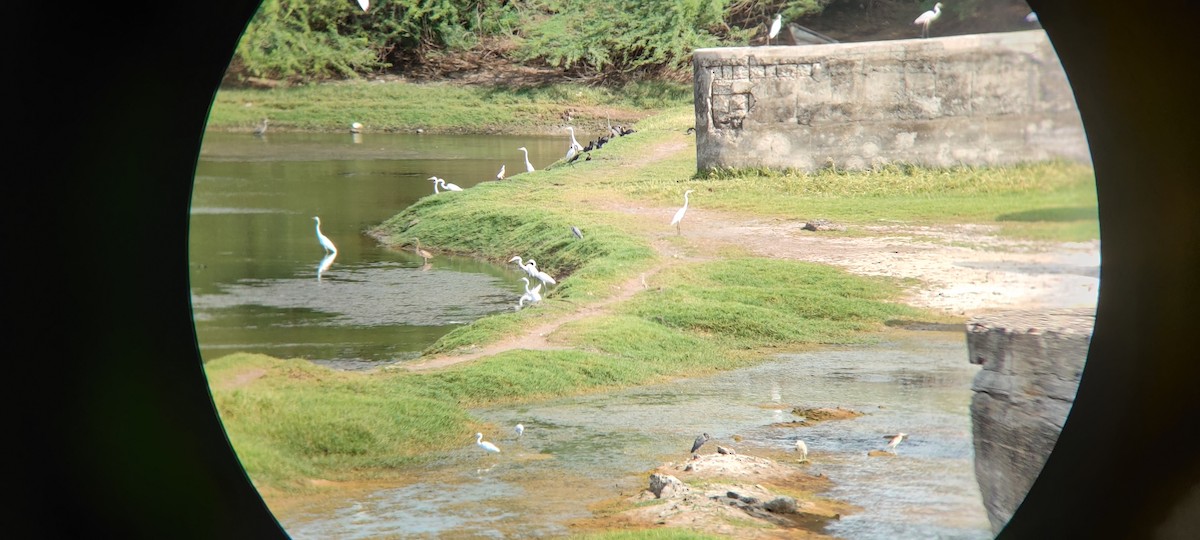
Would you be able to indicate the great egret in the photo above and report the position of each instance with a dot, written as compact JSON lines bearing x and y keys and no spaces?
{"x":574,"y":143}
{"x":500,"y":175}
{"x":527,"y":269}
{"x":699,"y":442}
{"x":324,"y":240}
{"x":448,"y":186}
{"x":434,"y":179}
{"x":540,"y":275}
{"x":803,"y":449}
{"x":531,"y":295}
{"x":487,"y":446}
{"x":928,"y":17}
{"x":575,"y":231}
{"x":775,"y":25}
{"x":571,"y":153}
{"x":424,"y":254}
{"x":679,"y":213}
{"x":520,"y":429}
{"x":528,"y":165}
{"x":261,"y":128}
{"x":895,"y":440}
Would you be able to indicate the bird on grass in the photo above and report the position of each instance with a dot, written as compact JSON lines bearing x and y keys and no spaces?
{"x":575,"y":231}
{"x":500,"y":175}
{"x":574,"y":143}
{"x":679,"y":213}
{"x":775,"y":26}
{"x":894,"y":440}
{"x":528,"y":165}
{"x":928,"y":17}
{"x":571,"y":154}
{"x":324,"y":240}
{"x":703,"y":438}
{"x":424,"y":254}
{"x":802,"y":449}
{"x":540,"y":275}
{"x":445,"y":185}
{"x":261,"y":128}
{"x":487,"y":446}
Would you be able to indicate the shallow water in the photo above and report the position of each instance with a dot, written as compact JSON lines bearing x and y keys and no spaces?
{"x":583,"y":450}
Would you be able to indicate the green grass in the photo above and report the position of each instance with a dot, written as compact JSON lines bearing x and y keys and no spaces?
{"x":446,"y":108}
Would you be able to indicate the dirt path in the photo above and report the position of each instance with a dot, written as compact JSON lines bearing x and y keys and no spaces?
{"x":963,"y":270}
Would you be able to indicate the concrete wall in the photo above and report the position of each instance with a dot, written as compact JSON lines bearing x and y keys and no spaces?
{"x":977,"y":99}
{"x":1031,"y":363}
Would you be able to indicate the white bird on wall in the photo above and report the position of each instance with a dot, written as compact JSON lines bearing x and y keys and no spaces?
{"x":679,"y":213}
{"x":928,"y":17}
{"x":775,"y":26}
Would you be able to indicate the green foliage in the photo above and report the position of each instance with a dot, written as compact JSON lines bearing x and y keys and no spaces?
{"x":304,"y":39}
{"x":618,"y":37}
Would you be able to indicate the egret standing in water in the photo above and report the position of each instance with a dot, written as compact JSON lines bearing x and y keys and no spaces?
{"x":679,"y":213}
{"x":775,"y":25}
{"x":895,"y":440}
{"x":703,"y":438}
{"x":928,"y":17}
{"x":531,"y":295}
{"x":487,"y":446}
{"x":324,"y":240}
{"x":522,"y":264}
{"x":528,"y":165}
{"x":424,"y":254}
{"x":261,"y":128}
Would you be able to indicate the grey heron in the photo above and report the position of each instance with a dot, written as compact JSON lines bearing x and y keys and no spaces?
{"x":703,"y":438}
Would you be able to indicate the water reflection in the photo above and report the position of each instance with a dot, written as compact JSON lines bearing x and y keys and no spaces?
{"x":325,"y":264}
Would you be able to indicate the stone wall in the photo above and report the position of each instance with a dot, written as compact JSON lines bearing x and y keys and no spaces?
{"x":1031,"y":364}
{"x":978,"y":99}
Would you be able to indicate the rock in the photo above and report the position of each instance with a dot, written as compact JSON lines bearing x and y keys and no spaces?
{"x":726,"y":451}
{"x":665,"y":486}
{"x":781,"y":505}
{"x":823,"y":225}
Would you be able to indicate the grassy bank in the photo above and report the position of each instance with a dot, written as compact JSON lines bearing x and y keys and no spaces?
{"x":440,"y":108}
{"x":292,"y":421}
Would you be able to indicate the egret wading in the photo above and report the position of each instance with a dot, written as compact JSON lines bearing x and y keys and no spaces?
{"x":324,"y":240}
{"x":703,"y":438}
{"x":531,"y":295}
{"x":928,"y":17}
{"x":679,"y":213}
{"x":528,"y":165}
{"x":895,"y":440}
{"x":487,"y":446}
{"x":520,"y":263}
{"x":424,"y":254}
{"x":775,"y":25}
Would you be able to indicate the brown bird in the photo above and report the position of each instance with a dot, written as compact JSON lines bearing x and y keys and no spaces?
{"x":424,"y":254}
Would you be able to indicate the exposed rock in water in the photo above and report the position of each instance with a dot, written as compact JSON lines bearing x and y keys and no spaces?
{"x":813,"y":415}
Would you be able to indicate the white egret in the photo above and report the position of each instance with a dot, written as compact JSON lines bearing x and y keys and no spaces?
{"x":531,"y":295}
{"x":520,"y":429}
{"x":570,"y":153}
{"x":803,"y":449}
{"x":434,"y":179}
{"x":324,"y":240}
{"x":699,"y":442}
{"x":485,"y":444}
{"x":928,"y":17}
{"x":775,"y":25}
{"x":356,"y":128}
{"x":540,"y":275}
{"x":424,"y":254}
{"x":527,"y":269}
{"x":895,"y":440}
{"x":500,"y":175}
{"x":679,"y":213}
{"x":261,"y":128}
{"x":574,"y":143}
{"x":528,"y":165}
{"x":448,"y":186}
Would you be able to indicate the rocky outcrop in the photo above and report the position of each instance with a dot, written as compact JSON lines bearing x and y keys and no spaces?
{"x":1031,"y":363}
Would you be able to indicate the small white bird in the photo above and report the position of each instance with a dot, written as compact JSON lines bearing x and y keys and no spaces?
{"x":775,"y":25}
{"x":679,"y":213}
{"x":895,"y":440}
{"x":520,"y":429}
{"x":485,"y":444}
{"x":528,"y":165}
{"x":324,"y":240}
{"x":540,"y":275}
{"x":356,"y":128}
{"x":500,"y":175}
{"x":928,"y":17}
{"x":803,"y":449}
